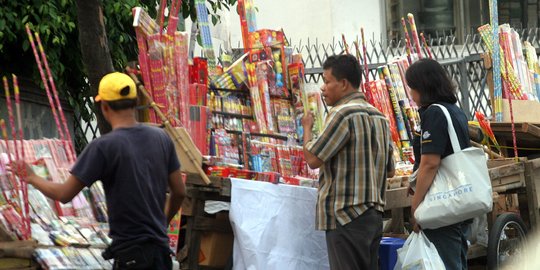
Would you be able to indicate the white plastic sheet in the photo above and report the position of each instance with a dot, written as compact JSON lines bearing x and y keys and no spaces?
{"x":274,"y":227}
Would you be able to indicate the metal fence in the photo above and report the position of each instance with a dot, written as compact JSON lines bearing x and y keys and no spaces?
{"x":462,"y":61}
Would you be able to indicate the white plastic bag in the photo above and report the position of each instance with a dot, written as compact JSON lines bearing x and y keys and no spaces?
{"x":418,"y":253}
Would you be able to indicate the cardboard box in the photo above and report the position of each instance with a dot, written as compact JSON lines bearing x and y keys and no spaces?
{"x":525,"y":111}
{"x":216,"y":249}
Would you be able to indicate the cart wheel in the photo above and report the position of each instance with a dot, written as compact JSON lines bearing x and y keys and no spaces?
{"x":506,"y":240}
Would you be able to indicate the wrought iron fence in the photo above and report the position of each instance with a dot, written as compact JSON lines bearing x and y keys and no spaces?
{"x":462,"y":61}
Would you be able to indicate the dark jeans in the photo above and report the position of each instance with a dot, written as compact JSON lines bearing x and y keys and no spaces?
{"x":356,"y":245}
{"x":451,"y":243}
{"x":161,"y":259}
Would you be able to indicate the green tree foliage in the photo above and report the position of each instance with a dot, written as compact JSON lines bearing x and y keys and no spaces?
{"x":56,"y":22}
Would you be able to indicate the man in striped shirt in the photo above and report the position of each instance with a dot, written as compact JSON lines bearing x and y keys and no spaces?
{"x":354,"y":154}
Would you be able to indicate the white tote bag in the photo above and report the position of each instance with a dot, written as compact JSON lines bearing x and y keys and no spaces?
{"x":461,"y":189}
{"x":418,"y":253}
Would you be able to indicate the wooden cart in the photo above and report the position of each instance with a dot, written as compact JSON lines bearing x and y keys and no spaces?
{"x":198,"y":222}
{"x":506,"y":230}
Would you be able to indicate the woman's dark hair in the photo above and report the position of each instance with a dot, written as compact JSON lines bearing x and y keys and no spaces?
{"x":346,"y":67}
{"x":431,"y":81}
{"x":122,"y":104}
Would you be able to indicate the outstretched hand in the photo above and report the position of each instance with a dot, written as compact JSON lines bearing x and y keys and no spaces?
{"x":21,"y":169}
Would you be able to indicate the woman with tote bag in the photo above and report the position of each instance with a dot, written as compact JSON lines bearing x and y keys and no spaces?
{"x":431,"y":87}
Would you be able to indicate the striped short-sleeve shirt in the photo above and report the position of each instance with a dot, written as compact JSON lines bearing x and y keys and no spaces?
{"x":354,"y":146}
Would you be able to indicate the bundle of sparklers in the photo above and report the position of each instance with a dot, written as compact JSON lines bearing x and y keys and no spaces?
{"x":390,"y":93}
{"x":14,"y":198}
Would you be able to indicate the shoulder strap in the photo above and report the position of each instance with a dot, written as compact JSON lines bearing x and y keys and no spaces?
{"x":451,"y":130}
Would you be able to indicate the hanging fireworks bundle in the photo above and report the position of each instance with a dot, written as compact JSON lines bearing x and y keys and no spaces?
{"x":41,"y":61}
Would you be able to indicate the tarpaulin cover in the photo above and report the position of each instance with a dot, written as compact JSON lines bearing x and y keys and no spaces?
{"x":274,"y":227}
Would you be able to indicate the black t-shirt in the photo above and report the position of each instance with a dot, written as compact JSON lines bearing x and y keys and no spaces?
{"x":433,"y":137}
{"x":134,"y":165}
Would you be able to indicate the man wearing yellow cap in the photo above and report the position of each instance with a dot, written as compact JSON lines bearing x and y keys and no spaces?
{"x":136,"y":163}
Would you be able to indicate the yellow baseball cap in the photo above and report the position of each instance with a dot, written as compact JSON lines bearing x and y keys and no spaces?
{"x":116,"y":86}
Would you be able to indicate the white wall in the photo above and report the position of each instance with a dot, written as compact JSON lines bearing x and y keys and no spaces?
{"x":313,"y":19}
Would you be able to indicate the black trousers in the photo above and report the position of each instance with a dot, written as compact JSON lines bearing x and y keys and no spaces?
{"x":157,"y":258}
{"x":355,"y":246}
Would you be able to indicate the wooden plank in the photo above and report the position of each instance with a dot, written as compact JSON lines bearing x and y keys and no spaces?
{"x":195,"y":179}
{"x":213,"y":197}
{"x":187,"y":207}
{"x":531,"y":129}
{"x":212,"y":224}
{"x":532,"y":180}
{"x":535,"y":163}
{"x":511,"y":174}
{"x":15,"y":263}
{"x":523,"y":130}
{"x":204,"y":267}
{"x":6,"y":235}
{"x":507,"y":170}
{"x":193,"y":237}
{"x":476,"y":251}
{"x":18,"y":244}
{"x":397,"y":198}
{"x":493,"y":163}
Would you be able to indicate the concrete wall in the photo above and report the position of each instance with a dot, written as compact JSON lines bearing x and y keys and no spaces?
{"x":302,"y":19}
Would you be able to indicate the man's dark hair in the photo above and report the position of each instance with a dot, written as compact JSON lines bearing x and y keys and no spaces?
{"x":431,"y":81}
{"x":346,"y":67}
{"x":122,"y":104}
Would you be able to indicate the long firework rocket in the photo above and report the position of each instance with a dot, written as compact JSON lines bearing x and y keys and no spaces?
{"x":507,"y":92}
{"x":206,"y":38}
{"x":71,"y":148}
{"x":162,"y":6}
{"x":24,"y":185}
{"x":173,"y":17}
{"x":514,"y":140}
{"x":3,"y":131}
{"x":182,"y":73}
{"x":11,"y":119}
{"x":507,"y":68}
{"x":18,"y":112}
{"x":415,"y":35}
{"x":45,"y":84}
{"x":385,"y":75}
{"x":402,"y":99}
{"x":428,"y":50}
{"x":11,"y":177}
{"x":407,"y":40}
{"x":496,"y":59}
{"x":499,"y":68}
{"x":357,"y":50}
{"x":411,"y":111}
{"x":532,"y":63}
{"x":145,"y":26}
{"x":143,"y":21}
{"x":157,"y":72}
{"x":364,"y":50}
{"x":345,"y":46}
{"x":170,"y":76}
{"x":13,"y":135}
{"x":382,"y":102}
